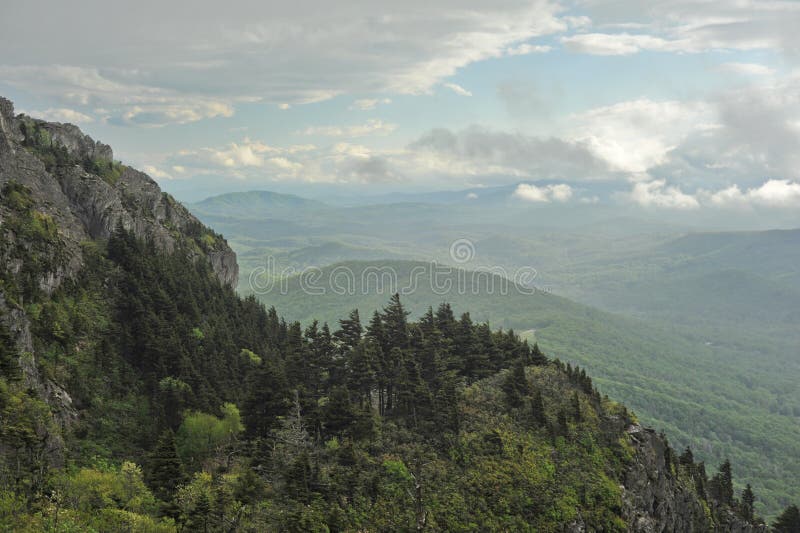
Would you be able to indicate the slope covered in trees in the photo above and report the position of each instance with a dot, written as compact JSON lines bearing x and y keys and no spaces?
{"x":202,"y":411}
{"x":138,"y":392}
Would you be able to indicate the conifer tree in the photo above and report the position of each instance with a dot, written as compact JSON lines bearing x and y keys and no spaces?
{"x":164,"y":471}
{"x":788,"y":521}
{"x":748,"y":502}
{"x":516,"y":385}
{"x":349,"y":334}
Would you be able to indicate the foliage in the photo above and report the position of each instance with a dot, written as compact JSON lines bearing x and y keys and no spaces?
{"x":439,"y":423}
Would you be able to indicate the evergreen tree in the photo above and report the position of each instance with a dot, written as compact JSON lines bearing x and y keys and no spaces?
{"x":721,"y":484}
{"x":537,"y":357}
{"x":164,"y":470}
{"x":748,"y":502}
{"x":788,"y":521}
{"x":537,"y":413}
{"x":9,"y":365}
{"x":516,"y":385}
{"x":576,"y":408}
{"x":349,"y":334}
{"x":268,"y":398}
{"x":360,"y":373}
{"x":687,"y":458}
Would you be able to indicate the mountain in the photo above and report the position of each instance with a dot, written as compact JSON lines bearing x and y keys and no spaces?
{"x":255,"y":204}
{"x":138,"y":392}
{"x":724,"y":304}
{"x":711,"y":395}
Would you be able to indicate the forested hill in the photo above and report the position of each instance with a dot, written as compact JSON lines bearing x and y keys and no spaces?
{"x":138,"y":392}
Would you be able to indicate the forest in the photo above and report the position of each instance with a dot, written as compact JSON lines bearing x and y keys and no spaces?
{"x":194,"y":409}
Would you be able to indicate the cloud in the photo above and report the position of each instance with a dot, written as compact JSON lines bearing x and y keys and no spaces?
{"x":62,"y":114}
{"x":618,"y":44}
{"x":121,"y":101}
{"x":658,"y":194}
{"x":472,"y":196}
{"x":757,"y":134}
{"x":367,"y":104}
{"x":773,"y":193}
{"x":289,"y":53}
{"x":234,"y":156}
{"x":525,"y":49}
{"x":747,"y":69}
{"x":458,"y":89}
{"x":371,"y":127}
{"x":690,"y":26}
{"x":637,"y":135}
{"x":560,"y":192}
{"x":480,"y":151}
{"x":157,"y":173}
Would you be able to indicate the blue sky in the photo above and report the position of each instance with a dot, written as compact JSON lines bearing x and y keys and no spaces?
{"x":686,"y":104}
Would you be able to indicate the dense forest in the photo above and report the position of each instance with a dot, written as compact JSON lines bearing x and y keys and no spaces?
{"x":194,"y":409}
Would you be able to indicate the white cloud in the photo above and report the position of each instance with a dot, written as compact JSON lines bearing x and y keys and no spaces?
{"x":62,"y":114}
{"x":757,"y":134}
{"x":284,"y":106}
{"x":747,"y":69}
{"x":458,"y":89}
{"x":658,"y":194}
{"x":157,"y":173}
{"x":690,"y":26}
{"x":472,"y":196}
{"x":280,"y":53}
{"x":235,"y":156}
{"x":525,"y":49}
{"x":618,"y":44}
{"x":773,"y":193}
{"x":367,"y":104}
{"x":120,"y":100}
{"x":560,"y":192}
{"x":370,"y":127}
{"x":636,"y":135}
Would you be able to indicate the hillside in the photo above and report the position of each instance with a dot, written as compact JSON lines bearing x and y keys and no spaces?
{"x":139,"y":393}
{"x":673,"y":378}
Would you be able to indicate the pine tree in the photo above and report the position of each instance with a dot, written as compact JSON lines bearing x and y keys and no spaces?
{"x":788,"y":521}
{"x":516,"y":385}
{"x":267,"y":399}
{"x":576,"y":407}
{"x":537,"y":413}
{"x":395,"y":320}
{"x":164,"y":470}
{"x":721,"y":485}
{"x":748,"y":502}
{"x":349,"y":334}
{"x":446,"y":321}
{"x":537,"y":357}
{"x":687,"y":457}
{"x":9,"y":365}
{"x":360,"y":373}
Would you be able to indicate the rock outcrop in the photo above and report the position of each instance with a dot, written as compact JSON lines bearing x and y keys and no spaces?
{"x":655,"y":500}
{"x":89,"y":205}
{"x":86,"y":196}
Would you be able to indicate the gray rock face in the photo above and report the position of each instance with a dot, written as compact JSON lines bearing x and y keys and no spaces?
{"x":654,"y":501}
{"x":85,"y":206}
{"x":76,"y":143}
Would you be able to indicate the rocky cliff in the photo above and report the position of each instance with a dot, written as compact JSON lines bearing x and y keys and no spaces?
{"x":74,"y":192}
{"x":75,"y":180}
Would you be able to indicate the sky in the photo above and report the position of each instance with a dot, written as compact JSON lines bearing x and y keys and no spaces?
{"x":682,"y":105}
